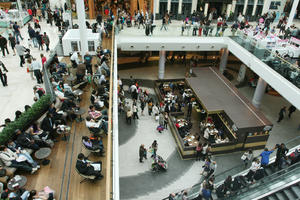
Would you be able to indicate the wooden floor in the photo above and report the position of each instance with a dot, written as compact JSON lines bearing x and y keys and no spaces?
{"x":60,"y":174}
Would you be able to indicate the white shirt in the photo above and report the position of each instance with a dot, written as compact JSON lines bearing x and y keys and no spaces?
{"x":75,"y":58}
{"x":255,"y":166}
{"x":206,"y":133}
{"x":133,"y":88}
{"x":35,"y":65}
{"x":91,"y":124}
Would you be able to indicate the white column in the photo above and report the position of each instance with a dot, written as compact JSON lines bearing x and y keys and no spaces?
{"x":245,"y":7}
{"x":169,"y":6}
{"x":242,"y":73}
{"x":194,"y":6}
{"x":82,"y":26}
{"x":233,"y":5}
{"x":229,"y":6}
{"x":205,"y":9}
{"x":180,"y":7}
{"x":19,"y":5}
{"x":254,"y":7}
{"x":292,"y":13}
{"x":161,"y":67}
{"x":223,"y":61}
{"x":266,"y":6}
{"x":154,"y":10}
{"x":157,"y":6}
{"x":259,"y":92}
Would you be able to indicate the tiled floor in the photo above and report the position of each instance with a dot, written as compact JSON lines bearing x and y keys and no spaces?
{"x":136,"y":181}
{"x":19,"y":91}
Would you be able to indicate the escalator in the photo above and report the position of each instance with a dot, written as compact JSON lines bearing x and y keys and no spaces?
{"x":289,"y":192}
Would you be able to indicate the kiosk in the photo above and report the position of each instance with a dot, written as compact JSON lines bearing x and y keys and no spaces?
{"x":216,"y":101}
{"x":71,"y":41}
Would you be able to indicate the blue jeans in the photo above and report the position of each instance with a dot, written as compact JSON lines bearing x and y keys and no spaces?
{"x":104,"y":126}
{"x":17,"y":35}
{"x":35,"y":42}
{"x":29,"y":159}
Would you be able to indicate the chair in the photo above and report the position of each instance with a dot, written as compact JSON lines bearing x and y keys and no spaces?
{"x":86,"y":177}
{"x":97,"y":151}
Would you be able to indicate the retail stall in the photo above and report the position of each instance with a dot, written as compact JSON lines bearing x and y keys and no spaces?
{"x":71,"y":41}
{"x":217,"y":107}
{"x":13,"y":16}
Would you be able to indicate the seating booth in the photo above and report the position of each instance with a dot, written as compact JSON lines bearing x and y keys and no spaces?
{"x":216,"y":98}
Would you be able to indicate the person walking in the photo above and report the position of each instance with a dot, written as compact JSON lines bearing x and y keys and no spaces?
{"x":39,"y":40}
{"x":150,"y":105}
{"x":154,"y":147}
{"x":12,"y":42}
{"x":21,"y":52}
{"x":247,"y":157}
{"x":291,"y":110}
{"x":199,"y":151}
{"x":166,"y":121}
{"x":46,"y":40}
{"x":142,"y":106}
{"x":142,"y":153}
{"x":135,"y":110}
{"x":29,"y":68}
{"x":37,"y":67}
{"x":17,"y":32}
{"x":3,"y":76}
{"x":282,"y":112}
{"x":164,"y":25}
{"x":3,"y":45}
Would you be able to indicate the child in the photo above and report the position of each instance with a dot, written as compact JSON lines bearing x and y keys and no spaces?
{"x":29,"y":43}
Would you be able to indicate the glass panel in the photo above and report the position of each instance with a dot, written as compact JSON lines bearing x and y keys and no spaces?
{"x":74,"y":46}
{"x":262,"y":52}
{"x":91,"y":45}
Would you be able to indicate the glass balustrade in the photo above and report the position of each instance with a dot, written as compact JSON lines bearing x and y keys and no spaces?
{"x":285,"y":68}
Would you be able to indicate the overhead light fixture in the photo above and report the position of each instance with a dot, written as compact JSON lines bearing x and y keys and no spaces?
{"x":132,"y":47}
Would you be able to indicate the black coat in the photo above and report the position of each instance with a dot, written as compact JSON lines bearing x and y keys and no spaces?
{"x":3,"y":42}
{"x":84,"y":169}
{"x":24,"y":139}
{"x":47,"y":125}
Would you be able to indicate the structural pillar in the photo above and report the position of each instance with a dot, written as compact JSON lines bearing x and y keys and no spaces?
{"x":245,"y":7}
{"x":19,"y":5}
{"x":82,"y":26}
{"x":266,"y":6}
{"x":91,"y":9}
{"x":168,"y":6}
{"x":233,"y":6}
{"x":157,"y":6}
{"x":223,"y":60}
{"x":161,"y":67}
{"x":242,"y":73}
{"x":205,"y":9}
{"x":180,"y":7}
{"x":194,"y":6}
{"x":254,"y":7}
{"x":259,"y":92}
{"x":292,"y":13}
{"x":228,"y":10}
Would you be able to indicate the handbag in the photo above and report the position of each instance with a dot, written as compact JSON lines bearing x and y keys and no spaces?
{"x":244,"y":157}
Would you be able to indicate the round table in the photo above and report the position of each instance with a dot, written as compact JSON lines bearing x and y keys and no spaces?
{"x":79,"y":112}
{"x":42,"y":154}
{"x":21,"y":182}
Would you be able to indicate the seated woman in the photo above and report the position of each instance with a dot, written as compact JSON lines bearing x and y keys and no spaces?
{"x":35,"y":131}
{"x":94,"y":144}
{"x":22,"y":152}
{"x":91,"y":124}
{"x":12,"y":159}
{"x":94,"y":114}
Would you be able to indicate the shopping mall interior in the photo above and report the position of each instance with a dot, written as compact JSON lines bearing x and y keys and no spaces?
{"x":149,"y":99}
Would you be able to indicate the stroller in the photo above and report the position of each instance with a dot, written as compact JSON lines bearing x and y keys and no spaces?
{"x":159,"y":164}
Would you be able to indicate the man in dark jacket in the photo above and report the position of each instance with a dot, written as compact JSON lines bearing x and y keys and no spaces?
{"x":48,"y":123}
{"x":3,"y":76}
{"x":281,"y":114}
{"x":86,"y":168}
{"x":32,"y":36}
{"x":25,"y":140}
{"x":291,"y":110}
{"x":3,"y":45}
{"x":280,"y":154}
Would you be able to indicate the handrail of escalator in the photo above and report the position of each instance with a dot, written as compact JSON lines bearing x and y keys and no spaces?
{"x":193,"y":191}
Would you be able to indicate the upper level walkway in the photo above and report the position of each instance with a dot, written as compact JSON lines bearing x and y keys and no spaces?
{"x":278,"y":73}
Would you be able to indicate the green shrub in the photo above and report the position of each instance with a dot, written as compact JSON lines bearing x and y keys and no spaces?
{"x":25,"y":120}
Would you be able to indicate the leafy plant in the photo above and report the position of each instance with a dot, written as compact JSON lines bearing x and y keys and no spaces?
{"x":26,"y":118}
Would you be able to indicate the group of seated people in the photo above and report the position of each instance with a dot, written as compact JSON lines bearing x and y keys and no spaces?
{"x":183,"y":126}
{"x":211,"y":133}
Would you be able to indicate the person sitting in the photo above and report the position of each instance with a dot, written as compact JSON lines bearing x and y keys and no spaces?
{"x":88,"y":168}
{"x":96,"y":126}
{"x":57,"y":115}
{"x":95,"y":114}
{"x":96,"y":145}
{"x":22,"y":152}
{"x":25,"y":140}
{"x":11,"y":159}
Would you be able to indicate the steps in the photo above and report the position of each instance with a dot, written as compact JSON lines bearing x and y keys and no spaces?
{"x":287,"y":193}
